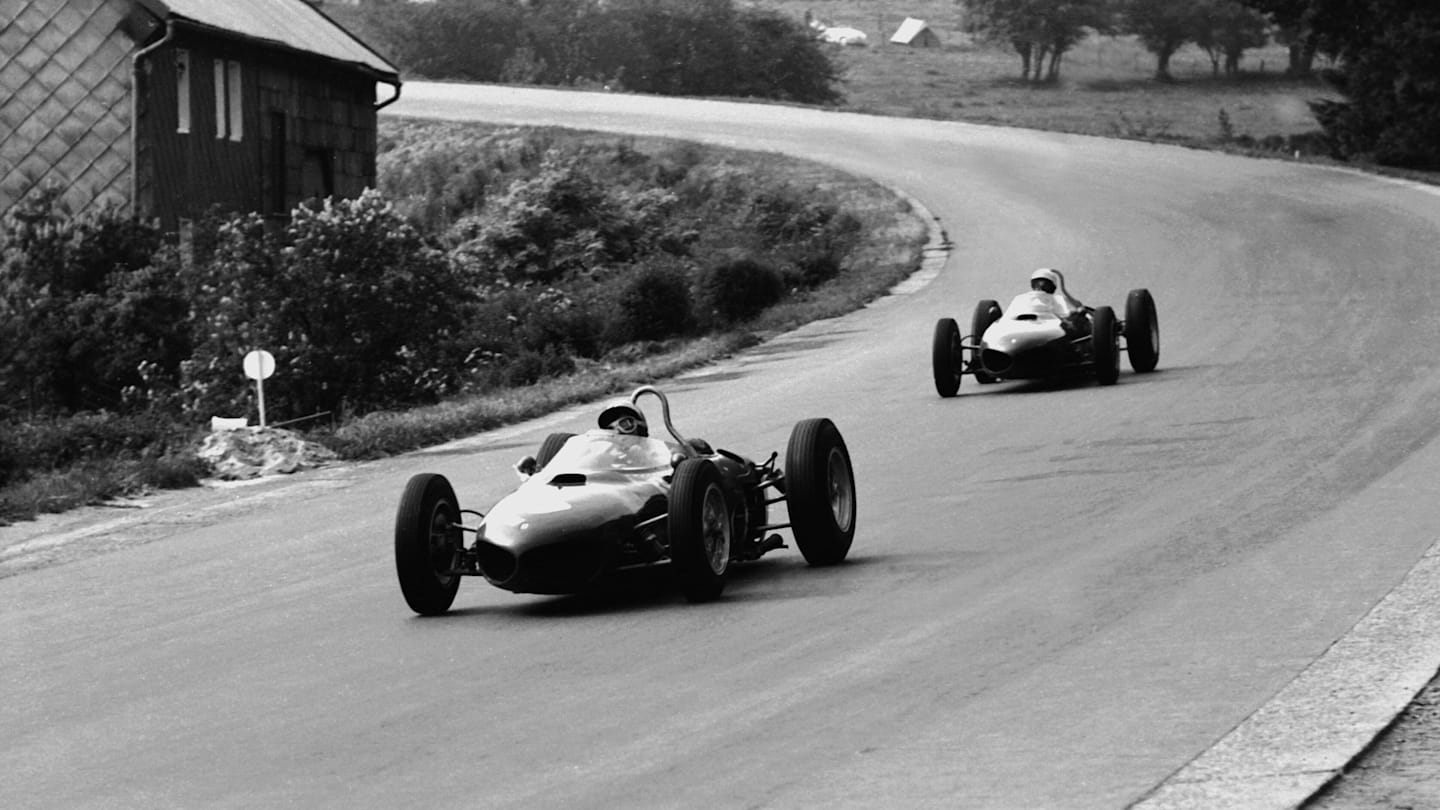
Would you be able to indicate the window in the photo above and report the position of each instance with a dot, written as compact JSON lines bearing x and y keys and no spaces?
{"x":182,"y":91}
{"x":220,"y":105}
{"x":229,"y":110}
{"x":237,"y":113}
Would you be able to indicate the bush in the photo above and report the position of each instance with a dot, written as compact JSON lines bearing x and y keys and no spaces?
{"x":739,"y":290}
{"x":84,"y":302}
{"x":654,"y":304}
{"x":530,"y":367}
{"x":358,"y":310}
{"x":59,"y":442}
{"x":562,"y":223}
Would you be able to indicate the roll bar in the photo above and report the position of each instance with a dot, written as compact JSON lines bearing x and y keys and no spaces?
{"x":685,"y":446}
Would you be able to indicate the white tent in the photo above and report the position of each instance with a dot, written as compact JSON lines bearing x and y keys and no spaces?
{"x":915,"y":32}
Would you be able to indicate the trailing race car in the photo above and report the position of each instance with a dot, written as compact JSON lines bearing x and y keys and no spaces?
{"x":1031,"y":341}
{"x":616,"y":498}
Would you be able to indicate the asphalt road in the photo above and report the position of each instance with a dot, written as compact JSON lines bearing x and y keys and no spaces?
{"x":1201,"y":587}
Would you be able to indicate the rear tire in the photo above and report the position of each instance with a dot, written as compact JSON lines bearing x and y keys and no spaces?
{"x":1142,"y":331}
{"x":427,"y":544}
{"x":549,"y":448}
{"x":946,"y":357}
{"x":701,"y":531}
{"x":820,"y":491}
{"x":1106,"y":347}
{"x":986,"y":313}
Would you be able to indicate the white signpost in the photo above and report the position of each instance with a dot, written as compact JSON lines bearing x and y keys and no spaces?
{"x":259,"y":365}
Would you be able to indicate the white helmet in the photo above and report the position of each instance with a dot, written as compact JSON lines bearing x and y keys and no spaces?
{"x":1047,"y":276}
{"x":623,"y":417}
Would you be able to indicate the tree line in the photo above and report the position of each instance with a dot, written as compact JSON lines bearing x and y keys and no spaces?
{"x":666,"y":47}
{"x":1384,"y":52}
{"x":1386,"y":55}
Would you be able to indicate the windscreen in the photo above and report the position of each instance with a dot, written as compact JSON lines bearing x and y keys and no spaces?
{"x":597,"y":451}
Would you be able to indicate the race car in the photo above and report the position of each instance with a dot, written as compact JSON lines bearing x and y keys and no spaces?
{"x":1030,"y":341}
{"x":596,"y":502}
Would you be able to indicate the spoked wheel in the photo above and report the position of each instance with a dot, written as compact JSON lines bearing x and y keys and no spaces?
{"x":1105,"y":340}
{"x":820,"y":491}
{"x":550,"y":447}
{"x":1142,"y":331}
{"x":986,"y":313}
{"x":428,"y":542}
{"x":947,"y":358}
{"x":701,"y":531}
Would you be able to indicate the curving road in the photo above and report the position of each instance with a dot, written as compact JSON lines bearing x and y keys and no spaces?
{"x":1059,"y":596}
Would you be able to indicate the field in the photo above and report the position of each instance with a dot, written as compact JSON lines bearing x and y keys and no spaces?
{"x":1106,"y":84}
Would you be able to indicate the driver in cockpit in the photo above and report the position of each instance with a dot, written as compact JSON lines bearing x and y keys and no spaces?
{"x":625,"y":419}
{"x":1050,"y":286}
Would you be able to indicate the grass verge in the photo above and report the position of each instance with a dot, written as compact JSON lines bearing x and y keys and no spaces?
{"x":894,"y":237}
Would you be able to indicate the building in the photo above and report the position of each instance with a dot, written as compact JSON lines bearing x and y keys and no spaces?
{"x":170,"y":107}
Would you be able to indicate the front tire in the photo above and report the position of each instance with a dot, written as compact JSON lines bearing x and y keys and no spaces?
{"x":701,"y":531}
{"x":820,"y":491}
{"x":1106,"y":346}
{"x":986,"y":313}
{"x":1142,"y":331}
{"x":427,"y":544}
{"x":946,"y":357}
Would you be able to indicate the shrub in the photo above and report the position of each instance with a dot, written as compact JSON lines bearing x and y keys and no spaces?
{"x":358,"y":310}
{"x":563,"y":223}
{"x":57,"y":442}
{"x":84,"y":302}
{"x":530,"y":367}
{"x":739,"y":290}
{"x":654,"y":304}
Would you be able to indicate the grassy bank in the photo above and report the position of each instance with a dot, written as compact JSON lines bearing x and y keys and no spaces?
{"x":894,"y":236}
{"x":127,"y":462}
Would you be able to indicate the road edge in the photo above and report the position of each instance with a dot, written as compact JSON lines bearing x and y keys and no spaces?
{"x":1310,"y":732}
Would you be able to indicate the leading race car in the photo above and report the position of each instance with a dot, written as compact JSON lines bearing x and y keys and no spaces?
{"x":616,"y":498}
{"x":1030,"y":341}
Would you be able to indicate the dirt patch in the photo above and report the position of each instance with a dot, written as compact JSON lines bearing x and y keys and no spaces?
{"x":253,"y":452}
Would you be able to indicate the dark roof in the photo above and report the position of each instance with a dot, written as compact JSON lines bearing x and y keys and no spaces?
{"x":293,"y":24}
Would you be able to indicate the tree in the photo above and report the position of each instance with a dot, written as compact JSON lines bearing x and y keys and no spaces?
{"x":1389,"y":53}
{"x":1294,"y":21}
{"x":1228,"y":30}
{"x":1163,"y":27}
{"x":1039,"y":29}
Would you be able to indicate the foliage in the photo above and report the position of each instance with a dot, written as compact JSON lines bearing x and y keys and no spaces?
{"x":1294,"y":26}
{"x":1390,"y":75}
{"x":435,"y":175}
{"x":1038,"y":29}
{"x":562,"y":223}
{"x":366,"y":310}
{"x":810,"y":234}
{"x":655,"y":304}
{"x":358,"y":311}
{"x":1226,"y":29}
{"x":88,"y":308}
{"x":738,"y":290}
{"x":666,"y":47}
{"x":1164,"y":26}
